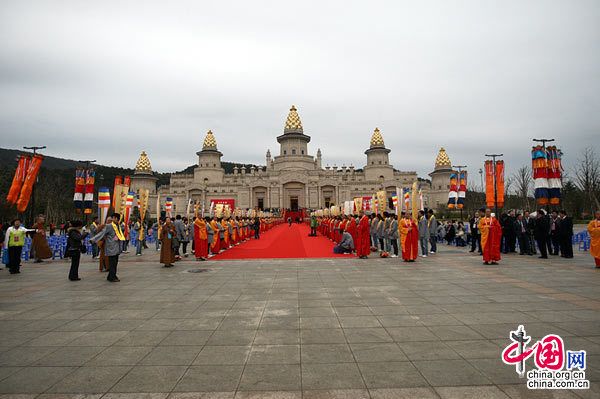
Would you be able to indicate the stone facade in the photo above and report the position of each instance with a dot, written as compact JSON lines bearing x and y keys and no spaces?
{"x":294,"y":179}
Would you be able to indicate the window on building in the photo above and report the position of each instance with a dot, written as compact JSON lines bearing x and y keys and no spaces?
{"x":294,"y":152}
{"x":439,"y":187}
{"x":379,"y":162}
{"x":284,"y":152}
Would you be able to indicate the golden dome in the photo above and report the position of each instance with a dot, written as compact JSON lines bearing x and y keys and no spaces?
{"x":209,"y":141}
{"x":442,"y":159}
{"x":143,"y":163}
{"x":377,"y":139}
{"x":293,"y":123}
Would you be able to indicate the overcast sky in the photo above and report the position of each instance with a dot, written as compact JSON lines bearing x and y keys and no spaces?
{"x":107,"y":79}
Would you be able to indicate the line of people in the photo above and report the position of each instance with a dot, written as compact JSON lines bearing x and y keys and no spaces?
{"x":209,"y":236}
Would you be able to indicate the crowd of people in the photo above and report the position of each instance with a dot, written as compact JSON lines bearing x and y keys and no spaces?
{"x":529,"y":233}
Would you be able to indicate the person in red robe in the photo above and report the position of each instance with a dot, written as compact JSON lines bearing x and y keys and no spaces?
{"x":491,"y":237}
{"x":363,"y":237}
{"x":351,"y":228}
{"x":200,"y":239}
{"x":409,"y":237}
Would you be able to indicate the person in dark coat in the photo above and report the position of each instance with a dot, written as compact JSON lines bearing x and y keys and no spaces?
{"x":530,"y":232}
{"x":522,"y":232}
{"x":554,"y":241}
{"x":565,"y":233}
{"x":75,"y":248}
{"x":542,"y":233}
{"x":475,"y":235}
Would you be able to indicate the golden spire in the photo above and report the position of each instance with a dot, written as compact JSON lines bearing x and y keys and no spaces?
{"x":377,"y":139}
{"x":209,"y":141}
{"x":442,"y":160}
{"x":143,"y":163}
{"x":293,"y":123}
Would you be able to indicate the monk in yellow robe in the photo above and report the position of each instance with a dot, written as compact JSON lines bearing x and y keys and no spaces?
{"x":594,"y":230}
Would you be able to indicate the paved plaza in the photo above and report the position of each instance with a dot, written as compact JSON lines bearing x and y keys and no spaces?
{"x":318,"y":328}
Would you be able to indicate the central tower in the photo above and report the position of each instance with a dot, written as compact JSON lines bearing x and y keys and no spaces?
{"x":293,"y":150}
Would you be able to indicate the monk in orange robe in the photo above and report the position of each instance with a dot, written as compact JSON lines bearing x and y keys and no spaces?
{"x":200,"y":239}
{"x":225,"y":241}
{"x":216,"y":244}
{"x":491,"y":237}
{"x":594,"y":230}
{"x":363,"y":237}
{"x":409,"y":238}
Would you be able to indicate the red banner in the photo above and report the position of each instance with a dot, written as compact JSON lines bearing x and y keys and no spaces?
{"x":500,"y":182}
{"x":489,"y":184}
{"x":224,"y":201}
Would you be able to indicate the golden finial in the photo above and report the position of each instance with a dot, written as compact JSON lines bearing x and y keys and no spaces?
{"x":209,"y":141}
{"x":377,"y":139}
{"x":442,"y":160}
{"x":293,"y":123}
{"x":143,"y":163}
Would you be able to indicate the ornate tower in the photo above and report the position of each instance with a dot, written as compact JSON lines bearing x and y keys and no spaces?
{"x":319,"y":163}
{"x":440,"y":180}
{"x":378,"y":160}
{"x":143,"y":176}
{"x":268,"y":159}
{"x":293,"y":152}
{"x":209,"y":168}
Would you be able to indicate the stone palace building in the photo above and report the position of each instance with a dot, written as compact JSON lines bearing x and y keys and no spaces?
{"x":293,"y":179}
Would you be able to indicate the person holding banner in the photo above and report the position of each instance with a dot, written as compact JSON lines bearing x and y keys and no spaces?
{"x":409,"y":238}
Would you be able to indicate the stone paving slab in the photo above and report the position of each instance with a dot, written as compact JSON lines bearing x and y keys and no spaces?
{"x":291,"y":329}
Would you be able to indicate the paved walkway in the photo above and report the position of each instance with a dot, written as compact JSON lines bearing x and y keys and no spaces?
{"x":318,"y":328}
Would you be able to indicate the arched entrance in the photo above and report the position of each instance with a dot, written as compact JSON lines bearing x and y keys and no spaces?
{"x":294,"y":196}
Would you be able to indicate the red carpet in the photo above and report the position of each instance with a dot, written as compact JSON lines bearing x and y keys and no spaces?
{"x":283,"y":241}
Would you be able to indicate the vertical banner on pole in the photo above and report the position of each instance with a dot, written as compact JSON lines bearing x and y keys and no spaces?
{"x":462,"y":189}
{"x":169,"y":206}
{"x":103,"y":203}
{"x":453,"y":193}
{"x":88,"y":199}
{"x":489,"y":184}
{"x":30,"y":178}
{"x":79,"y":189}
{"x":18,"y":179}
{"x":415,"y":204}
{"x":500,"y":182}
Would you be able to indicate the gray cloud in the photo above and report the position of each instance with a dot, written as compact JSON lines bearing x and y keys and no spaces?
{"x":105,"y":80}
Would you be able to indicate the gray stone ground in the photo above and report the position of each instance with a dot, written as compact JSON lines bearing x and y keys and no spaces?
{"x":291,"y":328}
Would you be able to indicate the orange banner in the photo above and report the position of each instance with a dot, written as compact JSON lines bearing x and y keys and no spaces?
{"x":500,"y":182}
{"x":17,"y":183}
{"x":489,"y":184}
{"x":32,"y":172}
